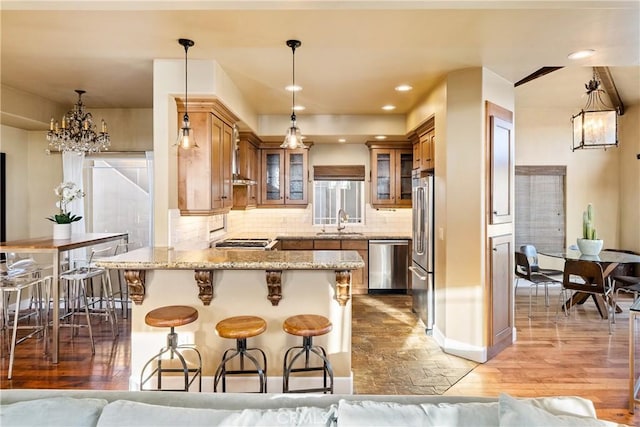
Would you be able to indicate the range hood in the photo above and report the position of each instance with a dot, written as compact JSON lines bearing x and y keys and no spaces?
{"x":237,"y":178}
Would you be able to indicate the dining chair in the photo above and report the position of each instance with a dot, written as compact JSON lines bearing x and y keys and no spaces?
{"x":524,"y":271}
{"x":626,"y":277}
{"x":531,"y":252}
{"x":585,"y":277}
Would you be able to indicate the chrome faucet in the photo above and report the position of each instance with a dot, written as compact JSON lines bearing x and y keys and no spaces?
{"x":342,"y":217}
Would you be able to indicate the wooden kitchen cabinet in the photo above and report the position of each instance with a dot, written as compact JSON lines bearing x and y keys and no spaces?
{"x":246,"y":196}
{"x":500,"y":162}
{"x":359,"y":277}
{"x":500,"y":295}
{"x":284,"y":175}
{"x":204,"y":173}
{"x":391,"y":166}
{"x":424,"y":139}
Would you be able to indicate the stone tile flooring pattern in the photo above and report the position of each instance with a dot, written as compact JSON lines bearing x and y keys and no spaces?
{"x":392,"y":354}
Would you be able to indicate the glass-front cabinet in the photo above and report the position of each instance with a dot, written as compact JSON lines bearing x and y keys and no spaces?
{"x":284,"y":177}
{"x":391,"y":166}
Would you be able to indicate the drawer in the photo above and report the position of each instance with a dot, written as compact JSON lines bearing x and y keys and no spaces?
{"x":296,"y":245}
{"x":326,"y":244}
{"x":355,"y":244}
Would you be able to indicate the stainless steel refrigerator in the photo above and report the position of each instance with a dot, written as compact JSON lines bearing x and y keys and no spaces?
{"x":422,"y":250}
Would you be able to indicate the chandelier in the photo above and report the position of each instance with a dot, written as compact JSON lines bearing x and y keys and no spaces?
{"x":596,"y":125}
{"x":78,"y":132}
{"x":293,"y":138}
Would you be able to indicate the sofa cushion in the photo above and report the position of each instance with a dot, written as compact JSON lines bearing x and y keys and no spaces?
{"x":53,"y":411}
{"x":370,"y":413}
{"x":123,"y":413}
{"x":522,"y":413}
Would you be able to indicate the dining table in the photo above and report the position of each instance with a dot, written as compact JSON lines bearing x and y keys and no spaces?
{"x":56,"y":247}
{"x":609,"y":260}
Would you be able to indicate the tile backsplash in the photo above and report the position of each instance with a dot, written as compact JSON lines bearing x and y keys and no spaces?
{"x":194,"y":232}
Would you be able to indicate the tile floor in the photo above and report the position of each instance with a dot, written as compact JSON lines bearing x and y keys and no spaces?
{"x":391,"y":354}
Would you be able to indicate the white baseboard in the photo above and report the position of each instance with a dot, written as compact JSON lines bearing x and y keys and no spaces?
{"x":457,"y":348}
{"x":240,"y":384}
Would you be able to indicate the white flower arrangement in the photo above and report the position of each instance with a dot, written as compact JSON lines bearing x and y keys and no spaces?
{"x":66,"y":192}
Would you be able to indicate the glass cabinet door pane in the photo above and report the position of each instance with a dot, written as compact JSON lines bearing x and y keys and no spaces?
{"x":296,"y":176}
{"x":273,"y":177}
{"x":383,"y":189}
{"x":406,"y":163}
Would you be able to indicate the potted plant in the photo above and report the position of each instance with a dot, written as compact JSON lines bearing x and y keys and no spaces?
{"x":589,"y":244}
{"x":66,"y":193}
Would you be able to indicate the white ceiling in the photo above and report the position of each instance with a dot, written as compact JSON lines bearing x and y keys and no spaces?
{"x":352,"y":56}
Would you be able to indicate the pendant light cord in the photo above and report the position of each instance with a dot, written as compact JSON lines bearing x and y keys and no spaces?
{"x":293,"y":85}
{"x":186,"y":92}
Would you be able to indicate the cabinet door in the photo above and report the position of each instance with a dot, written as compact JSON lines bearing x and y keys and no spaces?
{"x":252,"y":173}
{"x":194,"y":168}
{"x":427,"y":142}
{"x":359,"y":277}
{"x":382,"y":170}
{"x":500,"y":294}
{"x":296,"y":245}
{"x":417,"y":153}
{"x":296,"y":177}
{"x":272,"y":185}
{"x":501,"y":164}
{"x":403,"y":166}
{"x":226,"y":183}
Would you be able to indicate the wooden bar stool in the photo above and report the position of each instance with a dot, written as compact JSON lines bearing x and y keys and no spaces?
{"x":172,"y":316}
{"x":307,"y":326}
{"x":240,"y":328}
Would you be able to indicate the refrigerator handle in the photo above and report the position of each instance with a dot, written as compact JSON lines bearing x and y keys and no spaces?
{"x":417,"y":274}
{"x":419,"y":242}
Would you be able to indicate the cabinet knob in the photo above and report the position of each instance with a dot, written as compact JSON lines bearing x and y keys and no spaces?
{"x":223,"y":197}
{"x":495,"y":249}
{"x":495,"y":212}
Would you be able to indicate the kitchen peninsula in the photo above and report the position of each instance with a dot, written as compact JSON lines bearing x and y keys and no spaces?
{"x":221,"y":283}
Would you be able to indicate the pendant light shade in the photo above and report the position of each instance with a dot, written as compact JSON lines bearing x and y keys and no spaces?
{"x":596,"y":126}
{"x":186,"y":138}
{"x":293,"y":138}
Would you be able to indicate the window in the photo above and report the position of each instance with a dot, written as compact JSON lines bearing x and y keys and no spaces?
{"x":119,"y":188}
{"x":331,"y":196}
{"x":540,"y":207}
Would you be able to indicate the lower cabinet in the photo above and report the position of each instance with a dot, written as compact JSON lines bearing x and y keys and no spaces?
{"x":359,"y":278}
{"x":500,"y":294}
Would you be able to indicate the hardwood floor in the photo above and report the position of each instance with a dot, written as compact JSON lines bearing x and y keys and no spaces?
{"x":392,"y":355}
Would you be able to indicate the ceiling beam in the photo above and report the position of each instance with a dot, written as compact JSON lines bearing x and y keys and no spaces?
{"x":538,"y":73}
{"x":609,"y":86}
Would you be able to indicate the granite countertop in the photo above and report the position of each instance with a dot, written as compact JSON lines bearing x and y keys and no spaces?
{"x":345,"y":235}
{"x":232,"y":259}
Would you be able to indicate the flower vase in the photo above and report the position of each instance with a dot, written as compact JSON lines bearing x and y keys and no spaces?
{"x":61,"y":231}
{"x":590,"y":247}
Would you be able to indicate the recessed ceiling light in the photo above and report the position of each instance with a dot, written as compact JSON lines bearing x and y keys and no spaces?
{"x":389,"y":107}
{"x":403,"y":88}
{"x":342,"y":140}
{"x":293,"y":88}
{"x":380,"y":137}
{"x":298,"y":107}
{"x":580,"y":54}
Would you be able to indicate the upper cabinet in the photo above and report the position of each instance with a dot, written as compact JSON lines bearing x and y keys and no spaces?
{"x":284,"y":176}
{"x":391,"y":165}
{"x":204,"y":173}
{"x":500,"y":160}
{"x":424,"y":140}
{"x":248,"y":158}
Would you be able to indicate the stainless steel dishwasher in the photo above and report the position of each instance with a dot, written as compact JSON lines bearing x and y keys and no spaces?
{"x":388,"y":266}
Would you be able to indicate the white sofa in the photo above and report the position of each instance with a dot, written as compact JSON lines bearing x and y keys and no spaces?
{"x":133,"y":408}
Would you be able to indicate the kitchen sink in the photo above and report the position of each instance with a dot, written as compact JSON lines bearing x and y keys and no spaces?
{"x":338,"y":233}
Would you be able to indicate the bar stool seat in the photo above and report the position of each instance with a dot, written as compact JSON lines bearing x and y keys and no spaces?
{"x":307,"y":326}
{"x":240,"y":328}
{"x":171,"y":317}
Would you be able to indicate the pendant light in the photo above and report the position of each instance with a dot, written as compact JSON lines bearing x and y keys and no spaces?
{"x":293,"y":138}
{"x":186,"y":137}
{"x":596,"y":125}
